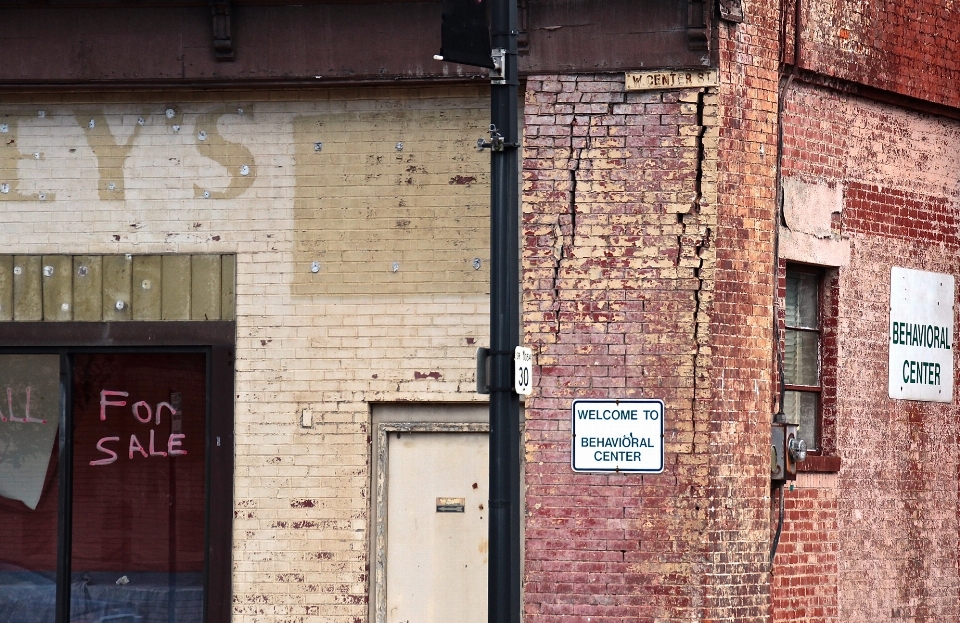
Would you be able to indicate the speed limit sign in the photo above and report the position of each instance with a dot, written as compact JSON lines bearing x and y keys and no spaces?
{"x":522,"y":370}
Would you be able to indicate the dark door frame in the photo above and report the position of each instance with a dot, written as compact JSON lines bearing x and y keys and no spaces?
{"x":218,"y":340}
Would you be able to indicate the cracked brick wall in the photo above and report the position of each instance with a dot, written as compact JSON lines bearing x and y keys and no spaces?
{"x":876,"y":540}
{"x":647,"y":255}
{"x":619,"y":214}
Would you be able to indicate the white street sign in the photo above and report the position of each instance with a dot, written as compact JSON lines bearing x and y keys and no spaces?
{"x":617,"y":436}
{"x":921,"y":335}
{"x":523,"y":370}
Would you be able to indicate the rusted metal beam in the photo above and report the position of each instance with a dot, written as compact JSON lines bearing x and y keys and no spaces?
{"x":143,"y":44}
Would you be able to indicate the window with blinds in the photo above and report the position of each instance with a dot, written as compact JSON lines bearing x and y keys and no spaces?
{"x":801,"y":360}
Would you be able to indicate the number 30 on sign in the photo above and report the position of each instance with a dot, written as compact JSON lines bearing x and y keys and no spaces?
{"x":522,"y":370}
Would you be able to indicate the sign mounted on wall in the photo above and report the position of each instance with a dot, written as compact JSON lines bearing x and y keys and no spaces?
{"x":617,"y":436}
{"x":653,"y":79}
{"x":921,"y":335}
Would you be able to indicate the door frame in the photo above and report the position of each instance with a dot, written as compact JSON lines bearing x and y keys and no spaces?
{"x":424,"y":418}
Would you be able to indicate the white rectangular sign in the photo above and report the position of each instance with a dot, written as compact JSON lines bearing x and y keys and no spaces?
{"x":921,"y":335}
{"x":523,"y":370}
{"x":617,"y":436}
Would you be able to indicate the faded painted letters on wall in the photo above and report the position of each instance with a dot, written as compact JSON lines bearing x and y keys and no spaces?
{"x":100,"y":145}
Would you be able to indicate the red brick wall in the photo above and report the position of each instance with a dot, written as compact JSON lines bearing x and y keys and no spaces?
{"x":910,"y":47}
{"x":891,"y":510}
{"x":647,"y":254}
{"x":741,"y":333}
{"x":615,"y":246}
{"x":898,"y":484}
{"x":878,"y":211}
{"x":804,"y":583}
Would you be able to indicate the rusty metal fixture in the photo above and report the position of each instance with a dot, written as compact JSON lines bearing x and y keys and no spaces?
{"x":222,"y":41}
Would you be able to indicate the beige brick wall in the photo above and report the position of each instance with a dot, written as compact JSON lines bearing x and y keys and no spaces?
{"x":115,"y":173}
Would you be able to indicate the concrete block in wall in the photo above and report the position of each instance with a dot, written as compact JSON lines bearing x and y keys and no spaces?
{"x":27,"y":288}
{"x":117,"y":293}
{"x":57,"y":287}
{"x":228,"y":287}
{"x":205,"y":292}
{"x":175,"y":287}
{"x":88,"y":288}
{"x":6,"y":287}
{"x":147,"y":283}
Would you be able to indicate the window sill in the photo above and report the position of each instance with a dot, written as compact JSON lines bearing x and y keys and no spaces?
{"x":817,"y":463}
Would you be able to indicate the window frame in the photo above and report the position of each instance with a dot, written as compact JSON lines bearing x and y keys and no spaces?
{"x":817,"y":389}
{"x":217,"y":339}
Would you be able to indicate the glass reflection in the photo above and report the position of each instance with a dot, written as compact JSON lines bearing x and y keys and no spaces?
{"x":801,"y":361}
{"x":29,"y":416}
{"x":138,"y":488}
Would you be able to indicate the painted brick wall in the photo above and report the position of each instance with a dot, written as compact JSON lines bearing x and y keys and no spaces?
{"x":647,"y":224}
{"x":305,"y":340}
{"x":618,"y":217}
{"x":891,"y":510}
{"x":909,"y":47}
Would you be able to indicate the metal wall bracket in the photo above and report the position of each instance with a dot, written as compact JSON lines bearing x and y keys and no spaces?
{"x":731,"y":10}
{"x":222,"y":42}
{"x":498,"y":73}
{"x":483,"y":370}
{"x":523,"y":34}
{"x":496,"y":142}
{"x":697,"y":25}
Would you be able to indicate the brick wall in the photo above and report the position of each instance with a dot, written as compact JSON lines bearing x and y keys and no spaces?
{"x":804,"y":586}
{"x":908,"y":47}
{"x":738,"y":435}
{"x":891,"y":509}
{"x":618,"y":217}
{"x":334,"y":341}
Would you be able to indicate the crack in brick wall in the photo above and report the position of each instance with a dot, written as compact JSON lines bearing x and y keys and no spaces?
{"x":618,"y":290}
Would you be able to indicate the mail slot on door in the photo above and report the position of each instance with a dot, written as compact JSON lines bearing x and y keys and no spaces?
{"x":450,"y":505}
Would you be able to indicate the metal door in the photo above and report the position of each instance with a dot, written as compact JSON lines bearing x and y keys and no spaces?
{"x":436,"y":527}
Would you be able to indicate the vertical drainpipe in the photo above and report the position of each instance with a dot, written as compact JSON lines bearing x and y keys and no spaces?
{"x":779,"y":417}
{"x":503,"y":586}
